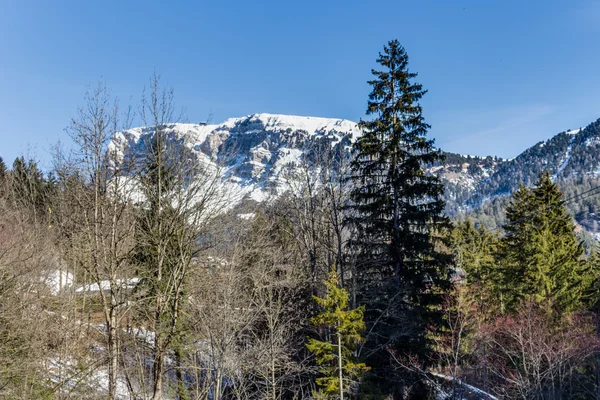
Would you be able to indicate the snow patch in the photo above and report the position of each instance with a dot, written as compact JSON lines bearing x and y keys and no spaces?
{"x":565,"y":160}
{"x":106,"y":285}
{"x":57,"y":280}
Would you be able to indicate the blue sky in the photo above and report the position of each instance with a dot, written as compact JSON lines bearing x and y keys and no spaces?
{"x":501,"y":74}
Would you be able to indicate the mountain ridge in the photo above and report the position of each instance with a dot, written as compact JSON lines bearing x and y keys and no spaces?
{"x":253,"y":151}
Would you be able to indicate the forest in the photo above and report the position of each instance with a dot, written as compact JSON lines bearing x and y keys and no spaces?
{"x":132,"y":277}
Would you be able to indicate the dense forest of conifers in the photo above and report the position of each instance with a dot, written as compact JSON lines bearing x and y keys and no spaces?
{"x":133,"y":278}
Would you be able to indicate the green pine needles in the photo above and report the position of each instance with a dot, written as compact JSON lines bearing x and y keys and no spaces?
{"x":342,"y":332}
{"x":399,"y":231}
{"x":540,"y":247}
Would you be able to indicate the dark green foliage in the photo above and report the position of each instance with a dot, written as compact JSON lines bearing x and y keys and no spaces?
{"x":397,"y":217}
{"x":165,"y":245}
{"x":161,"y":224}
{"x":29,"y":188}
{"x":593,"y":293}
{"x":541,"y":257}
{"x":582,"y":202}
{"x":2,"y":171}
{"x":475,"y":250}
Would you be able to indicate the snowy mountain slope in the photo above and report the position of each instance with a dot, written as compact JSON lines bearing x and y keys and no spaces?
{"x":251,"y":151}
{"x":570,"y":155}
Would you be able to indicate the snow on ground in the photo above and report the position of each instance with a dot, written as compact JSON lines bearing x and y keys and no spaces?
{"x":260,"y":195}
{"x":57,"y":280}
{"x":105,"y":285}
{"x":287,"y":157}
{"x":67,"y":372}
{"x":565,"y":159}
{"x":592,"y":141}
{"x":100,"y":378}
{"x":471,"y":389}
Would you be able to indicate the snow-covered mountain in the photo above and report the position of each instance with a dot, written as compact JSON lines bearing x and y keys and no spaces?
{"x":251,"y":151}
{"x":570,"y":156}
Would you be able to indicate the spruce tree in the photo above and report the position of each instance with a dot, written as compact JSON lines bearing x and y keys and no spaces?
{"x":29,"y":187}
{"x":593,"y":294}
{"x":541,"y":255}
{"x":335,"y":354}
{"x":475,"y":250}
{"x":2,"y":171}
{"x":397,"y":220}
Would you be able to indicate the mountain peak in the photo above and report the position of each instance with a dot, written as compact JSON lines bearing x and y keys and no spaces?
{"x":253,"y":151}
{"x":283,"y":122}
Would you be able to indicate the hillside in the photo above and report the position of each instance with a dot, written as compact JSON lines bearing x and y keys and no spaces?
{"x":253,"y":151}
{"x":479,"y":186}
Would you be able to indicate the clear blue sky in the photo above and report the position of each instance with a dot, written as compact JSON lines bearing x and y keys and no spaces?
{"x":501,"y":74}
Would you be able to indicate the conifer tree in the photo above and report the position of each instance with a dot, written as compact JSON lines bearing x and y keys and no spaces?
{"x":2,"y":171}
{"x":335,"y":354}
{"x":540,"y":254}
{"x":29,"y":186}
{"x":396,"y":214}
{"x":475,"y":261}
{"x":181,"y":194}
{"x":592,"y":296}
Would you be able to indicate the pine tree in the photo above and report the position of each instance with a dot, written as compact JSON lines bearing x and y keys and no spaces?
{"x":397,"y":218}
{"x":592,"y":296}
{"x":2,"y":171}
{"x":163,"y":251}
{"x":475,"y":261}
{"x":540,"y":254}
{"x":29,"y":187}
{"x":334,"y":355}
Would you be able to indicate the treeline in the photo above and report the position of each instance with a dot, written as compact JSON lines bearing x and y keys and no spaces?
{"x":569,"y":156}
{"x":133,"y":277}
{"x":523,"y":321}
{"x":582,"y":201}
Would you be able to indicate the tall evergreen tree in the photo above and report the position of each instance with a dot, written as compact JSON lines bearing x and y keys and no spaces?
{"x":540,"y":254}
{"x":397,"y":218}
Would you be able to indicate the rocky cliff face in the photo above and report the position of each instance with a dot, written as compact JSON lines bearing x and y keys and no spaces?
{"x":252,"y":152}
{"x":572,"y":157}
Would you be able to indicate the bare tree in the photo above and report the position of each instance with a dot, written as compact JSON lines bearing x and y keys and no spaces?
{"x":536,"y":353}
{"x":181,"y":193}
{"x":26,"y":251}
{"x":317,"y":192}
{"x":96,"y":229}
{"x":278,"y":289}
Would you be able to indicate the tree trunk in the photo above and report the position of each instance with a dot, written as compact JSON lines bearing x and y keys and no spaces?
{"x":340,"y":364}
{"x":113,"y":349}
{"x":217,"y":385}
{"x":157,"y":368}
{"x":157,"y":376}
{"x":273,"y":377}
{"x":181,"y":388}
{"x":399,"y":394}
{"x":598,"y":377}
